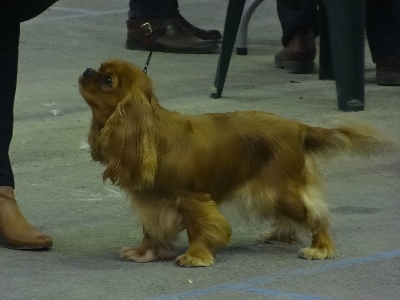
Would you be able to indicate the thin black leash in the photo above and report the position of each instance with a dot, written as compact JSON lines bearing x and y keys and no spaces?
{"x":148,"y":61}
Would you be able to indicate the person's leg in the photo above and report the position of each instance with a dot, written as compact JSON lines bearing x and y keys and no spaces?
{"x":204,"y":34}
{"x":15,"y":231}
{"x":29,"y":9}
{"x":383,"y":33}
{"x":9,"y":25}
{"x":152,"y":9}
{"x":299,"y":22}
{"x":8,"y":79}
{"x":295,"y":15}
{"x":158,"y":25}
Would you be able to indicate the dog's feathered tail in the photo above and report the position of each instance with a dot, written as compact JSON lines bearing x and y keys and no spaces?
{"x":357,"y":140}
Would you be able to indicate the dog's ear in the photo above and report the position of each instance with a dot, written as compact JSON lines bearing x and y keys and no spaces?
{"x":128,"y":142}
{"x":93,"y":141}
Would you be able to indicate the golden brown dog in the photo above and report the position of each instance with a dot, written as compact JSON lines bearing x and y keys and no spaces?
{"x":178,"y":168}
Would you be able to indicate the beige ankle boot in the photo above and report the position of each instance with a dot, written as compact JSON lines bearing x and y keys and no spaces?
{"x":15,"y":231}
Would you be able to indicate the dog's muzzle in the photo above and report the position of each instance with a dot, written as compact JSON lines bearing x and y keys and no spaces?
{"x":89,"y":72}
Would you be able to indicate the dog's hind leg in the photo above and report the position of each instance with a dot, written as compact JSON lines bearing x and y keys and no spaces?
{"x":305,"y":206}
{"x":304,"y":203}
{"x":307,"y":209}
{"x":322,"y":246}
{"x":148,"y":250}
{"x":283,"y":232}
{"x":206,"y":227}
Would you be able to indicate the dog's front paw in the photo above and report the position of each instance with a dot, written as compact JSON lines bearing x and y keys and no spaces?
{"x":205,"y":259}
{"x":132,"y":254}
{"x":316,"y":253}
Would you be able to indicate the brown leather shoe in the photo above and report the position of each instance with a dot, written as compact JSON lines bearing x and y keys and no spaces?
{"x":212,"y":34}
{"x":165,"y":35}
{"x":15,"y":231}
{"x":388,"y":72}
{"x":298,"y":56}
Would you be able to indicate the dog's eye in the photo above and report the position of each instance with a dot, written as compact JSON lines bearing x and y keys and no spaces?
{"x":106,"y":81}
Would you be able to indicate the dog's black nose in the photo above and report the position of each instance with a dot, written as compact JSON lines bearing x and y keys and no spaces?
{"x":89,"y":72}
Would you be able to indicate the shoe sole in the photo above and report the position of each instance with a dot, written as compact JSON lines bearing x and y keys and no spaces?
{"x":296,"y":67}
{"x":133,"y":46}
{"x":3,"y":243}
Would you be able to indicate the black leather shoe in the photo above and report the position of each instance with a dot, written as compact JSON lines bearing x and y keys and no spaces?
{"x":212,"y":34}
{"x":299,"y":54}
{"x":165,"y":35}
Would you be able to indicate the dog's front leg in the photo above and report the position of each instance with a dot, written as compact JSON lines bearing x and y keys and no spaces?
{"x":148,"y":250}
{"x":206,"y":227}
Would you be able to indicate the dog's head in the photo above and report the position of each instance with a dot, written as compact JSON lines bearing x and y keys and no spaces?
{"x":122,"y":134}
{"x":114,"y":83}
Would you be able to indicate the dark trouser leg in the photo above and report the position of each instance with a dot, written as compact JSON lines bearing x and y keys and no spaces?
{"x":24,"y":10}
{"x":299,"y":25}
{"x":11,"y":15}
{"x":8,"y":79}
{"x":152,"y":9}
{"x":295,"y":14}
{"x":383,"y":29}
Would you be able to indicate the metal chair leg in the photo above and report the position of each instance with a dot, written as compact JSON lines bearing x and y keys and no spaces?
{"x":232,"y":21}
{"x":241,"y":39}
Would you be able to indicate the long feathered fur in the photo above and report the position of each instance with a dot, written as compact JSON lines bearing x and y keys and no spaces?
{"x":178,"y":168}
{"x":359,"y":140}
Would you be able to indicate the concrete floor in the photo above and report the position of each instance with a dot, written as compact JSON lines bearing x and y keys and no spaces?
{"x":61,"y":192}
